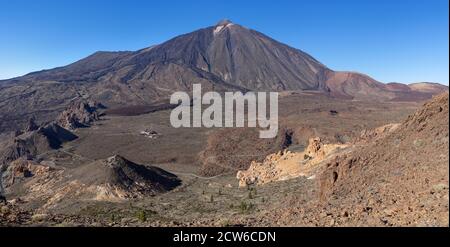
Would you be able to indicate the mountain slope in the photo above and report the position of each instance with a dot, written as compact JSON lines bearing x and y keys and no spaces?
{"x":226,"y":53}
{"x":357,"y":86}
{"x":241,"y":57}
{"x":226,"y":56}
{"x":428,"y":87}
{"x":393,"y":189}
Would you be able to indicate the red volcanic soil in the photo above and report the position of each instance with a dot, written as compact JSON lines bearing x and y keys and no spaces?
{"x":395,"y":86}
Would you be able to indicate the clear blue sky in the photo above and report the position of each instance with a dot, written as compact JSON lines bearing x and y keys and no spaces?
{"x":390,"y":40}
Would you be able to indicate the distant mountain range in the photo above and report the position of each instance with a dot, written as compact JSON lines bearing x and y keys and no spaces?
{"x":226,"y":56}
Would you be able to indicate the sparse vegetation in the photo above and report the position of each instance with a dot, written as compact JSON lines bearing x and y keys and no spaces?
{"x":144,"y":214}
{"x":252,"y":193}
{"x":225,"y":223}
{"x":202,"y":208}
{"x":141,"y":215}
{"x":245,"y":208}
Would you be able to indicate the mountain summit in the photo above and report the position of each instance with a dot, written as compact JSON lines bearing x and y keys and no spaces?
{"x":224,"y":22}
{"x":226,"y":56}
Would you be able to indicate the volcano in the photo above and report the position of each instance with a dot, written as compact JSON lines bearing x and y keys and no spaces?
{"x":223,"y":57}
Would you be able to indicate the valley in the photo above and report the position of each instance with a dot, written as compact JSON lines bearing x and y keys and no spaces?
{"x":91,"y":143}
{"x":210,"y":193}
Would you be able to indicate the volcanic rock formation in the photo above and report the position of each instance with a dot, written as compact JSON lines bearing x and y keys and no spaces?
{"x":113,"y":179}
{"x":79,"y":114}
{"x":117,"y":177}
{"x":32,"y":143}
{"x":286,"y":165}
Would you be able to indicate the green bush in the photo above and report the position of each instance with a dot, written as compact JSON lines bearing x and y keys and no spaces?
{"x":141,"y":215}
{"x":245,"y":207}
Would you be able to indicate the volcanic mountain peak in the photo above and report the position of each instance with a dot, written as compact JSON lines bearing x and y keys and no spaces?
{"x":222,"y":25}
{"x":224,"y":22}
{"x":226,"y":56}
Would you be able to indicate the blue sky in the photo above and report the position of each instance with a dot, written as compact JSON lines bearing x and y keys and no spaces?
{"x":390,"y":40}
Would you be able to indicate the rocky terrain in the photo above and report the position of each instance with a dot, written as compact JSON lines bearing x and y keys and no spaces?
{"x":293,"y":184}
{"x":34,"y":142}
{"x":402,"y":177}
{"x":395,"y":175}
{"x":45,"y":186}
{"x":91,"y":144}
{"x":36,"y":139}
{"x":224,"y":150}
{"x":286,"y":165}
{"x":79,"y":114}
